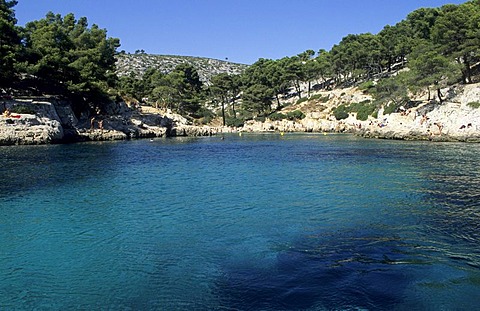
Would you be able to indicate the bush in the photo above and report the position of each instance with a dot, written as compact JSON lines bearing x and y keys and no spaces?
{"x":319,"y":98}
{"x":340,"y":112}
{"x":295,"y":115}
{"x":391,"y":108}
{"x":367,"y":87}
{"x":277,"y":116}
{"x":474,"y":104}
{"x":22,"y":110}
{"x":260,"y":118}
{"x":363,"y":109}
{"x":234,"y":122}
{"x":301,"y":100}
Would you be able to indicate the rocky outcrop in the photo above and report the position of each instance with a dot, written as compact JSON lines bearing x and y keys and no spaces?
{"x":41,"y":125}
{"x":452,"y":120}
{"x":206,"y":67}
{"x":455,"y":119}
{"x":51,"y":120}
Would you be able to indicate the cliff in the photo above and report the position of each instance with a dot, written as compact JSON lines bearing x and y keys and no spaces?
{"x":44,"y":120}
{"x":455,"y":119}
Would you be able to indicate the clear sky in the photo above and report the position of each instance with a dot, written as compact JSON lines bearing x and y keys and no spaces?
{"x":241,"y":30}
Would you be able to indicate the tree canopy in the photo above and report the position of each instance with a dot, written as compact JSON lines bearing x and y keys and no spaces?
{"x":436,"y":47}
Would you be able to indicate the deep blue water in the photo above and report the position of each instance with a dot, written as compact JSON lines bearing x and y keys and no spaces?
{"x":252,"y":222}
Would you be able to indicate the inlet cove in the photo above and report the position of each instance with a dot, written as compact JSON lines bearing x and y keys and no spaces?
{"x":240,"y":222}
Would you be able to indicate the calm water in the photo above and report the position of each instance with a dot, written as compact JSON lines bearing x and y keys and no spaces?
{"x":257,"y":222}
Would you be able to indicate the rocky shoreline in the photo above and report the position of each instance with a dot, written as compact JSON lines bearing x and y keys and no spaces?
{"x":454,"y":120}
{"x":51,"y":120}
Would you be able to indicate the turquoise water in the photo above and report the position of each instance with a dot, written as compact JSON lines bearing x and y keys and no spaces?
{"x":257,"y":222}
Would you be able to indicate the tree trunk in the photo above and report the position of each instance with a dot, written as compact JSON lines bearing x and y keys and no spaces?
{"x":297,"y":88}
{"x":223,"y":113}
{"x":278,"y":101}
{"x":439,"y":93}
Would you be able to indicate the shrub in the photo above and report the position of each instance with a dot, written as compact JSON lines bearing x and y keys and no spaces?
{"x":295,"y":115}
{"x":23,"y":110}
{"x":363,"y":109}
{"x":277,"y":116}
{"x":390,"y":108}
{"x":320,"y":98}
{"x":340,"y":112}
{"x":234,"y":122}
{"x":367,"y":86}
{"x":301,"y":100}
{"x":474,"y":104}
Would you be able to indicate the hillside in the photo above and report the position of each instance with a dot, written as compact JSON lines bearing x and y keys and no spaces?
{"x":206,"y":67}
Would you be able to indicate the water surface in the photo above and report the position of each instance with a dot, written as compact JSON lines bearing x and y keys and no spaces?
{"x":257,"y":222}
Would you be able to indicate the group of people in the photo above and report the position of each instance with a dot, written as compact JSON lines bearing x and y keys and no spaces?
{"x":93,"y":121}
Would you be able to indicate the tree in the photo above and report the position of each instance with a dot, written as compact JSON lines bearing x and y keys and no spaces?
{"x":429,"y":67}
{"x":420,"y":22}
{"x":456,"y":31}
{"x":258,"y":85}
{"x":65,"y":56}
{"x":9,"y":41}
{"x":392,"y":89}
{"x":257,"y":98}
{"x":324,"y":65}
{"x":180,"y":89}
{"x":224,"y":89}
{"x":396,"y":43}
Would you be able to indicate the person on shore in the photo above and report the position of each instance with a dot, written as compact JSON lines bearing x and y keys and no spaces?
{"x":7,"y":113}
{"x":92,"y":123}
{"x":440,"y":127}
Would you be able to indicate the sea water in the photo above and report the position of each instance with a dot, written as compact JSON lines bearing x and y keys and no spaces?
{"x":251,"y":222}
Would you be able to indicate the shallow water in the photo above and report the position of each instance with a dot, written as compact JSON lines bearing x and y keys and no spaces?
{"x":257,"y":222}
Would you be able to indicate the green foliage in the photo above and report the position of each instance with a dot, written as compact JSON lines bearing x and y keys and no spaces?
{"x":340,"y":112}
{"x":22,"y":110}
{"x":391,"y":108}
{"x":393,"y":89}
{"x":363,"y":110}
{"x":302,"y":100}
{"x":367,"y":86}
{"x":319,"y":98}
{"x":234,"y":122}
{"x":64,"y":56}
{"x":474,"y":104}
{"x":277,"y":116}
{"x":9,"y":42}
{"x":295,"y":115}
{"x":205,"y":115}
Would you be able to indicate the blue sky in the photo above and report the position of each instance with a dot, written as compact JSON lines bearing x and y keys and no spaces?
{"x":241,"y":30}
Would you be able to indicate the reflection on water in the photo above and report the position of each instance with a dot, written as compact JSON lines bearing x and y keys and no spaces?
{"x":257,"y":222}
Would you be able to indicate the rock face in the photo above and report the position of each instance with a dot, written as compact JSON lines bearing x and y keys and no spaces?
{"x":455,"y":119}
{"x":452,"y":120}
{"x":51,"y":120}
{"x":206,"y":67}
{"x":42,"y":126}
